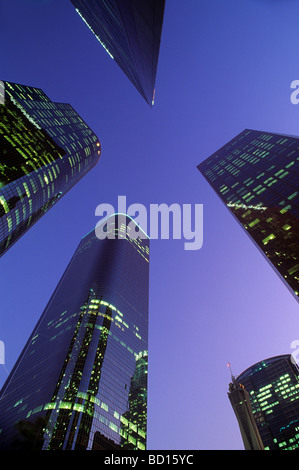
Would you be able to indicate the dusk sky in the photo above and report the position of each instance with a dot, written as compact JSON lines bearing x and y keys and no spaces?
{"x":224,"y":65}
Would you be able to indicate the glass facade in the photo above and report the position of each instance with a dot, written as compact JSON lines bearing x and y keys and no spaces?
{"x":46,"y":148}
{"x":80,"y":382}
{"x":273,"y":387}
{"x":130,"y":32}
{"x":256,"y":175}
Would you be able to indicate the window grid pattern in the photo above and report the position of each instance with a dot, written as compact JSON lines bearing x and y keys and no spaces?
{"x":47,"y":148}
{"x":273,"y":387}
{"x":257,"y":176}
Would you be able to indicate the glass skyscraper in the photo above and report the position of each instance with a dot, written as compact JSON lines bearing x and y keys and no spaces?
{"x":130,"y":32}
{"x":256,"y":175}
{"x":273,"y":388}
{"x":46,"y":148}
{"x":80,"y":382}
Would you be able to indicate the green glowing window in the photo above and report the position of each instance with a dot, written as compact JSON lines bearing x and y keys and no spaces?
{"x":133,"y":426}
{"x":285,"y":209}
{"x":26,"y":189}
{"x":9,"y":223}
{"x":50,"y":406}
{"x":254,"y":222}
{"x":293,"y":269}
{"x":65,"y":405}
{"x":18,"y":402}
{"x":4,"y":204}
{"x":261,"y":191}
{"x":113,"y":427}
{"x":95,"y":400}
{"x":78,"y":407}
{"x":17,"y":216}
{"x":124,"y":421}
{"x":104,"y":406}
{"x":293,"y":195}
{"x":132,"y":439}
{"x":284,"y":174}
{"x":267,"y":239}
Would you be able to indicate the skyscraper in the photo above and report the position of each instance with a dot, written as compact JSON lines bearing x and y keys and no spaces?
{"x":81,"y":380}
{"x":256,"y":175}
{"x":46,"y":148}
{"x":240,"y":401}
{"x":130,"y":32}
{"x":273,"y":388}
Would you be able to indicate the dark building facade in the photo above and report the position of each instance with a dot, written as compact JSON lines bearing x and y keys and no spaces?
{"x":273,"y":388}
{"x":80,"y":382}
{"x":46,"y":148}
{"x":240,"y":401}
{"x":256,"y":175}
{"x":130,"y":32}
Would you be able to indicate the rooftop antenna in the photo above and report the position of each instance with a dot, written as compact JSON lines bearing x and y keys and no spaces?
{"x":229,"y":366}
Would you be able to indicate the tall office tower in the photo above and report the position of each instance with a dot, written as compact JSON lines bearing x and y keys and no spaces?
{"x":273,"y":388}
{"x":46,"y":148}
{"x":240,"y":401}
{"x":130,"y":31}
{"x":256,"y":175}
{"x":80,"y":382}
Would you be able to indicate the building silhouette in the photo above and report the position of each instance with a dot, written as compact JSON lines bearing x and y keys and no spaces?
{"x":240,"y":401}
{"x":46,"y":148}
{"x":256,"y":175}
{"x":80,"y":382}
{"x":130,"y":32}
{"x":273,"y":388}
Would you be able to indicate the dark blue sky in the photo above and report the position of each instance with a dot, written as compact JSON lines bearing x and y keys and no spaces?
{"x":224,"y":65}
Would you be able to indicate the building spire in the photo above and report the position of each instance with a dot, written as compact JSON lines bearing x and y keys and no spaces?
{"x":231,"y":374}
